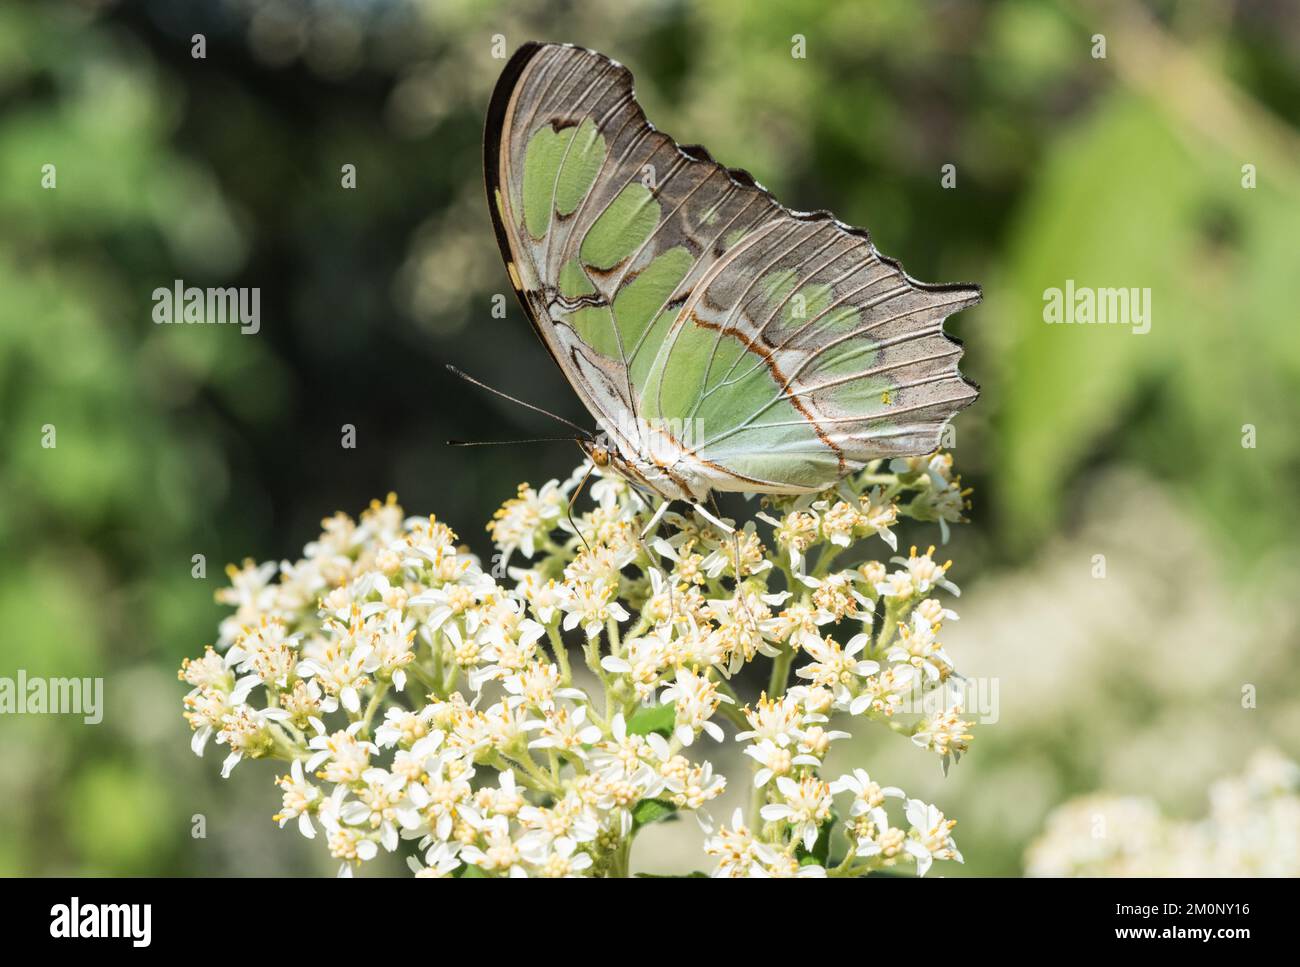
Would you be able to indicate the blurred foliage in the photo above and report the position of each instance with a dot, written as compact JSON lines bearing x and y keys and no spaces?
{"x":181,"y":440}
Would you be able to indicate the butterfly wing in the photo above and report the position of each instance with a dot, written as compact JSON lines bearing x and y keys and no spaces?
{"x":778,"y":349}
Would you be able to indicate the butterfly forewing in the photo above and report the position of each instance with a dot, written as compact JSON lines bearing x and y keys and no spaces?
{"x":779,"y":349}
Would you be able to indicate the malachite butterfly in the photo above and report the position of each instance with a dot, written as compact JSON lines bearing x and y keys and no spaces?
{"x":721,"y":340}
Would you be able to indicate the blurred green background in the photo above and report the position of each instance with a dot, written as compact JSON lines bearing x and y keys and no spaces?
{"x":181,"y":440}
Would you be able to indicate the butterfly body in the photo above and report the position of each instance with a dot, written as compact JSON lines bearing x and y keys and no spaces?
{"x":721,"y":340}
{"x":664,"y":480}
{"x":671,"y":471}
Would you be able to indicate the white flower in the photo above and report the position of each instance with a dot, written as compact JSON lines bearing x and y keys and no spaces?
{"x":796,"y":532}
{"x":839,"y":520}
{"x":816,"y":741}
{"x":897,"y":585}
{"x":499,"y":852}
{"x":643,"y":661}
{"x":868,"y":796}
{"x":452,"y":599}
{"x":571,"y":816}
{"x":205,"y":708}
{"x":341,"y":666}
{"x":933,"y":611}
{"x":797,"y":624}
{"x":836,"y":595}
{"x":779,"y":719}
{"x":404,"y":727}
{"x":382,"y":805}
{"x":834,"y":667}
{"x":919,"y":647}
{"x":247,"y":731}
{"x":739,"y":853}
{"x":944,"y":733}
{"x":930,"y":837}
{"x":806,"y":805}
{"x":785,"y":866}
{"x":346,"y":758}
{"x":688,"y":567}
{"x":878,"y":514}
{"x":546,"y":597}
{"x":559,"y":858}
{"x":500,"y":727}
{"x":776,"y":760}
{"x":744,"y":543}
{"x":300,"y":797}
{"x":505,"y":800}
{"x":925,"y":573}
{"x":538,"y":686}
{"x":591,"y":605}
{"x":268,"y":653}
{"x":883,"y":693}
{"x":393,"y":645}
{"x":250,"y":594}
{"x":440,"y":860}
{"x":627,"y":757}
{"x":523,"y":521}
{"x":606,"y":488}
{"x":565,"y":730}
{"x":696,"y":699}
{"x":431,"y":545}
{"x":699,"y":646}
{"x":444,"y":795}
{"x":691,"y":788}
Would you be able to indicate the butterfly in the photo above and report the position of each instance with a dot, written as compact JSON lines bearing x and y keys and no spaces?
{"x":721,"y":340}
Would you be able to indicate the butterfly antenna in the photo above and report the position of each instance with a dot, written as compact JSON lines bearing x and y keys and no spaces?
{"x":573,"y":500}
{"x":506,"y":396}
{"x":507,"y":443}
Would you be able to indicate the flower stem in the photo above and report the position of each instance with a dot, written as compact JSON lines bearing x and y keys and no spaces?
{"x":373,"y":706}
{"x":780,"y":676}
{"x":561,"y":651}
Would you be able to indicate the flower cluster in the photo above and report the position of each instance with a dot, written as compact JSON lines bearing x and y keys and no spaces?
{"x":1250,"y":831}
{"x":529,"y":718}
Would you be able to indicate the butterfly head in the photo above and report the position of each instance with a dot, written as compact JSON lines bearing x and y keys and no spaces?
{"x":597,"y":452}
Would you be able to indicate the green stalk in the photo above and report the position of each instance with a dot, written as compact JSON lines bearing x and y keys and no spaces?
{"x":372,"y":707}
{"x":561,"y":652}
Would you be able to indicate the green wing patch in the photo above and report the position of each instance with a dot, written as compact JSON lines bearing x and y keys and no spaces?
{"x":622,"y":228}
{"x":559,"y":169}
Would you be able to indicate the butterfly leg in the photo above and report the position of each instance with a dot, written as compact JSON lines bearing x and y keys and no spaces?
{"x":717,"y":521}
{"x":735,"y":554}
{"x":655,"y":519}
{"x":573,"y":500}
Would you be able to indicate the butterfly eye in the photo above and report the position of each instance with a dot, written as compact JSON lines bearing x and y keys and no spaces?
{"x":600,"y":456}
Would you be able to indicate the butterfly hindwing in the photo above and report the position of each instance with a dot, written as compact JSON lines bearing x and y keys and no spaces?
{"x":780,"y":348}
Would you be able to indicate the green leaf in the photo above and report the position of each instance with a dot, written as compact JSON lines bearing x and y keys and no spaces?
{"x":649,"y":811}
{"x":470,"y":872}
{"x":657,"y":718}
{"x":1172,"y":401}
{"x":693,"y":875}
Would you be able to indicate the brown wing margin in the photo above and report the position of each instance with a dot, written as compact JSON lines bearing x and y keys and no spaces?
{"x":495,"y":123}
